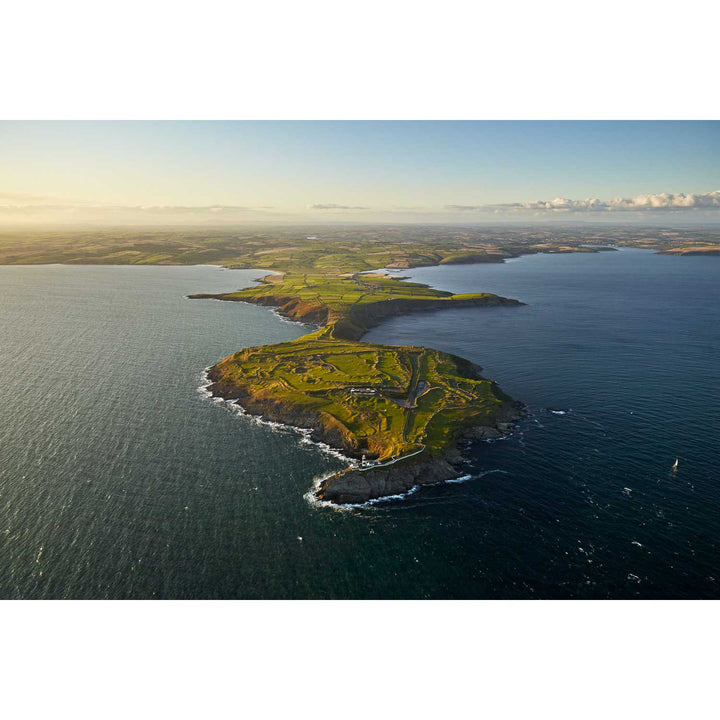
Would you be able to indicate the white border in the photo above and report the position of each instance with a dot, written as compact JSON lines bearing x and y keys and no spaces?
{"x":397,"y":60}
{"x":359,"y":660}
{"x":391,"y":59}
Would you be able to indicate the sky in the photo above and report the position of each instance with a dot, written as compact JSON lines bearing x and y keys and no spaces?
{"x":171,"y":172}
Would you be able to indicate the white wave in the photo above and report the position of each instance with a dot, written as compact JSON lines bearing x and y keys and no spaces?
{"x":312,"y":498}
{"x":461,"y":479}
{"x":284,"y":319}
{"x":306,"y":439}
{"x":465,"y":478}
{"x":500,"y":438}
{"x":398,"y":496}
{"x":305,"y":433}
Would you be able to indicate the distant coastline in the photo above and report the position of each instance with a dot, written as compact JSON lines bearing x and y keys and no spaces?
{"x":410,"y":453}
{"x":690,"y":250}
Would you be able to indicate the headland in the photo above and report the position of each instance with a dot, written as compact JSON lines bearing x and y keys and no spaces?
{"x":400,"y":407}
{"x":396,"y":410}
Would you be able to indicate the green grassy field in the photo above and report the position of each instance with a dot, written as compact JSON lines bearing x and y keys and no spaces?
{"x":324,"y":248}
{"x":348,"y":304}
{"x":282,"y":248}
{"x":378,"y":400}
{"x":321,"y":250}
{"x":382,"y":401}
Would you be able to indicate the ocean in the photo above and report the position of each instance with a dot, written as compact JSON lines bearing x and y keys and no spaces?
{"x":120,"y":479}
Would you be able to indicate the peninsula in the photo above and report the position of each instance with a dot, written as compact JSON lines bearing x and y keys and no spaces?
{"x":400,"y":407}
{"x":396,"y":410}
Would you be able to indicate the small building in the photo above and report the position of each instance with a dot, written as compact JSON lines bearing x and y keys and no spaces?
{"x":363,"y":391}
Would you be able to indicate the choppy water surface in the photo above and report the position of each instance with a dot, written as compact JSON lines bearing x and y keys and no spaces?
{"x":119,"y":480}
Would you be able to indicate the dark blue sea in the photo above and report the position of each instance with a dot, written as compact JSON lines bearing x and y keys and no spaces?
{"x":118,"y":479}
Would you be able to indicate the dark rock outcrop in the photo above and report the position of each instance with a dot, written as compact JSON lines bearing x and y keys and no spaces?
{"x":354,"y":486}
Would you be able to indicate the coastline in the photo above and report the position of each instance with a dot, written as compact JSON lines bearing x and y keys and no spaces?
{"x":341,"y":489}
{"x":305,"y":433}
{"x":354,"y":486}
{"x":394,"y":469}
{"x":354,"y":323}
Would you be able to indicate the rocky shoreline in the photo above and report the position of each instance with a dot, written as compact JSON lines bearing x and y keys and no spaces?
{"x":361,"y":319}
{"x":277,"y":411}
{"x":354,"y":486}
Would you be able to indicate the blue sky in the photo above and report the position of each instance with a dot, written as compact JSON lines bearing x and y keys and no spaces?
{"x":360,"y":171}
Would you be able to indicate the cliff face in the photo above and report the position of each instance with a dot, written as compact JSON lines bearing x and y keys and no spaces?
{"x":355,"y":486}
{"x":310,"y":313}
{"x":323,"y":427}
{"x":359,"y":320}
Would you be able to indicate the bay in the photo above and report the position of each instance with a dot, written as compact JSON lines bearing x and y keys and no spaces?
{"x":118,"y":479}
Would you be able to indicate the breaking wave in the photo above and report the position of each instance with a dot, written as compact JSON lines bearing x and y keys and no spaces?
{"x":305,"y":433}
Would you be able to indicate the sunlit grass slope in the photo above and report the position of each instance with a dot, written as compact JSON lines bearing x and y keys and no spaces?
{"x":377,"y":399}
{"x":348,"y":304}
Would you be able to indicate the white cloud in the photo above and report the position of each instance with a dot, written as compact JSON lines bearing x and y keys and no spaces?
{"x":120,"y":209}
{"x":639,"y":203}
{"x":27,"y":198}
{"x":333,"y":206}
{"x":192,"y":209}
{"x":22,"y":212}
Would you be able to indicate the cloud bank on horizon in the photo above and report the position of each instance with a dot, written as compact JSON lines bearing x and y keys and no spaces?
{"x":57,"y":211}
{"x":333,"y":206}
{"x":23,"y":208}
{"x":639,"y":203}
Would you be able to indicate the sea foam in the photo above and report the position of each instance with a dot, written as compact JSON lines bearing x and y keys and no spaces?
{"x":304,"y":433}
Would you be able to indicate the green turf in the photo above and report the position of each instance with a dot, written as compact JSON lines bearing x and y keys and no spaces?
{"x":319,"y":376}
{"x":347,"y":304}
